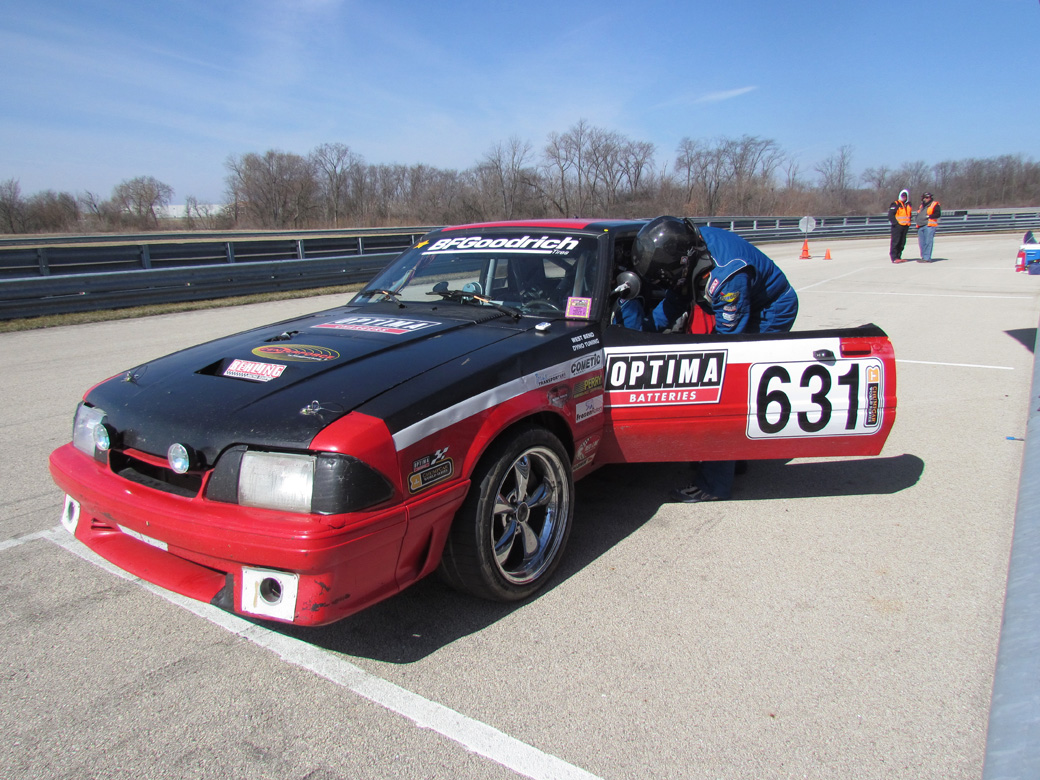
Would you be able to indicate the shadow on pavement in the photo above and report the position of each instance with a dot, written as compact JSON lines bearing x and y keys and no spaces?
{"x":612,"y":504}
{"x":1024,"y":336}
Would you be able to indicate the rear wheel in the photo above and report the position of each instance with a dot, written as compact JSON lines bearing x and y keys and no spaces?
{"x":509,"y":535}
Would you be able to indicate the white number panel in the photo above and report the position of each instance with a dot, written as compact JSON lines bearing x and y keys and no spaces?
{"x":813,"y":398}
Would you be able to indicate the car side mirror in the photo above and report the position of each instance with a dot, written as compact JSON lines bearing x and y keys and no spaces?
{"x":628,"y":285}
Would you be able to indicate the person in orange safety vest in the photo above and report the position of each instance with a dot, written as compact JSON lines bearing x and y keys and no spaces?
{"x":927,"y":220}
{"x":899,"y":213}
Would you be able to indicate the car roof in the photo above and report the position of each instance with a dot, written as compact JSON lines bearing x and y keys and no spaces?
{"x":544,"y":224}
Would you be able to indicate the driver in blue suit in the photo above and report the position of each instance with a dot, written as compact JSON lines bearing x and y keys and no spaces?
{"x":746,"y":289}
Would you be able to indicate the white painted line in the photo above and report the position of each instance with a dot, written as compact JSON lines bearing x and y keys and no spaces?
{"x":7,"y":544}
{"x":828,"y":281}
{"x":957,"y":365}
{"x":923,"y":295}
{"x":477,"y":737}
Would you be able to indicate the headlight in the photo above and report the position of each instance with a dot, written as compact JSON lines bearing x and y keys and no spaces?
{"x":324,"y":483}
{"x":88,"y":419}
{"x":276,"y":480}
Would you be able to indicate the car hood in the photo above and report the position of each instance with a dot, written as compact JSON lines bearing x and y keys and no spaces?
{"x":279,"y":385}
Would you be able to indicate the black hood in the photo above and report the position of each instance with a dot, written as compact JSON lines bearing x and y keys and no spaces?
{"x":279,"y":385}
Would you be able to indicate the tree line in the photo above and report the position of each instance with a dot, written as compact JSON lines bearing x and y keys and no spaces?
{"x":584,"y":172}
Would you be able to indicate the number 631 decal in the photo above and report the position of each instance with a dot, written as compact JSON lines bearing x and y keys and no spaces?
{"x":842,"y":398}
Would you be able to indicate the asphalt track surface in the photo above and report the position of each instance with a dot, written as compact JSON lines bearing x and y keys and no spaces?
{"x":838,"y":619}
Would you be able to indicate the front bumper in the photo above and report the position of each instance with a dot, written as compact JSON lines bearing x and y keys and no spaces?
{"x":248,"y":560}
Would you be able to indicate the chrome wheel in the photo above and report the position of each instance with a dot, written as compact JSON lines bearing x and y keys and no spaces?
{"x":532,"y":504}
{"x":508,"y":537}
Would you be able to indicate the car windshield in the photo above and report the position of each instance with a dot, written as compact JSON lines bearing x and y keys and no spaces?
{"x":540,"y":273}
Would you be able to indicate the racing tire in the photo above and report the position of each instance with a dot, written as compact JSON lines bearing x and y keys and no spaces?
{"x":509,"y":535}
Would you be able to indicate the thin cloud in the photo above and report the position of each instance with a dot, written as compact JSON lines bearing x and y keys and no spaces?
{"x":690,"y":99}
{"x":718,"y":97}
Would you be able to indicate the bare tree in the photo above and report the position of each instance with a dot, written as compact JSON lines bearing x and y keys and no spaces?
{"x":752,"y":163}
{"x":836,"y":178}
{"x":139,"y":200}
{"x":506,"y":175}
{"x":11,"y":207}
{"x":333,"y":166}
{"x":275,"y":190}
{"x":914,"y":176}
{"x":702,"y":169}
{"x":51,"y":212}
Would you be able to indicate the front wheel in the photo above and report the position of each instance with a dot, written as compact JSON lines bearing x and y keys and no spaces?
{"x":508,"y":536}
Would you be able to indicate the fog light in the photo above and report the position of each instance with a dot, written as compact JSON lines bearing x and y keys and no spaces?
{"x":102,"y":437}
{"x":269,"y":593}
{"x":271,"y":590}
{"x":179,"y":458}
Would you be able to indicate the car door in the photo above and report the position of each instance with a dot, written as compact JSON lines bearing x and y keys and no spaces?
{"x":746,"y":396}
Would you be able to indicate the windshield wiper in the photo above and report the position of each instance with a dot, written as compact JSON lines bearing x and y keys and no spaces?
{"x":459,"y":296}
{"x":390,"y":294}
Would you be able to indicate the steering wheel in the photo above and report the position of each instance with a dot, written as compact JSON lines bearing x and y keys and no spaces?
{"x":541,"y":303}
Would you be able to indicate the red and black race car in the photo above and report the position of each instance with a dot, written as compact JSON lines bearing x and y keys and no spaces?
{"x":303,"y":471}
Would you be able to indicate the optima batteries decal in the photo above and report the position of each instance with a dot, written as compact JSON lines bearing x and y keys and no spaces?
{"x":300,"y":353}
{"x":393,"y":325}
{"x":665,"y":378}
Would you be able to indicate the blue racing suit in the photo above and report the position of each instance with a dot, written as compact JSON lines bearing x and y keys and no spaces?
{"x":747,"y":290}
{"x":749,"y":294}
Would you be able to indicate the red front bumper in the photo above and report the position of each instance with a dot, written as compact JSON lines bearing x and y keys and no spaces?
{"x":198,"y":548}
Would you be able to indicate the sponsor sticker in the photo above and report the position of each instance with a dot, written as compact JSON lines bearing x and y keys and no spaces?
{"x":392,"y":325}
{"x":558,"y":396}
{"x":580,"y":308}
{"x":590,"y":408}
{"x":299,"y":353}
{"x":551,"y":376}
{"x":583,"y":365}
{"x":526,"y":244}
{"x":429,"y":471}
{"x":664,"y":378}
{"x":585,"y":451}
{"x":587,"y":385}
{"x":253,"y":370}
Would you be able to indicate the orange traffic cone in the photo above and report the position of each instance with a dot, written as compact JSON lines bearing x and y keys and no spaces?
{"x":805,"y":250}
{"x":828,"y":255}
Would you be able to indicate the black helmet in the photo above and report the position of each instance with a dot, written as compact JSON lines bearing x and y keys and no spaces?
{"x":666,"y":247}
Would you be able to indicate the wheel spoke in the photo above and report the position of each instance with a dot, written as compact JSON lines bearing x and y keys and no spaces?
{"x":522,"y":472}
{"x":529,"y":540}
{"x":541,"y":495}
{"x":504,"y":543}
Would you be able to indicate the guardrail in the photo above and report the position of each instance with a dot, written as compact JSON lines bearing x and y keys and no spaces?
{"x":1013,"y":740}
{"x":60,"y":275}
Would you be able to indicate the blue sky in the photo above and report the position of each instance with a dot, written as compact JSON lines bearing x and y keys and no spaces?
{"x":98,"y":91}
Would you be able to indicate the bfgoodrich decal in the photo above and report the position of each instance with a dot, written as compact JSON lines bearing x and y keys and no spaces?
{"x":664,"y":378}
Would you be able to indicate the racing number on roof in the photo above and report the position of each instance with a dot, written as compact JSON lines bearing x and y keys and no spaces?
{"x":842,"y":398}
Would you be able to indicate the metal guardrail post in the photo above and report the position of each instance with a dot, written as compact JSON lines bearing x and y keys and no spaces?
{"x":230,"y":247}
{"x":146,"y":256}
{"x":1013,"y":740}
{"x":41,"y":258}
